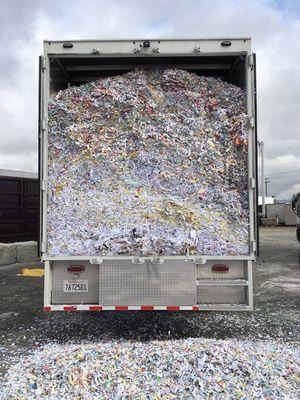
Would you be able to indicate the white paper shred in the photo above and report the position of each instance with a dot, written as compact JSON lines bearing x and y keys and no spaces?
{"x":152,"y":162}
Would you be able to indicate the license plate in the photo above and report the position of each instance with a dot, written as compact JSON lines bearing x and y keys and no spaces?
{"x":76,"y":285}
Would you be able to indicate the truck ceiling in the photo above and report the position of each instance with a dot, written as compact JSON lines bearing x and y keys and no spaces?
{"x":76,"y":70}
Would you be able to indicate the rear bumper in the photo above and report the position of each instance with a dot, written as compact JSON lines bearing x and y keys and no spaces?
{"x":173,"y":285}
{"x":85,"y":307}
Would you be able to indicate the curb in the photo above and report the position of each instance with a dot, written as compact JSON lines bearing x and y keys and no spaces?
{"x":19,"y":252}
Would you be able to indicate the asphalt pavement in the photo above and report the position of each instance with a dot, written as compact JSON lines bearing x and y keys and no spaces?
{"x":24,"y":325}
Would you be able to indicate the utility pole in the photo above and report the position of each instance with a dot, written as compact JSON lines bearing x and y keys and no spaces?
{"x":267,"y":180}
{"x":262,"y":178}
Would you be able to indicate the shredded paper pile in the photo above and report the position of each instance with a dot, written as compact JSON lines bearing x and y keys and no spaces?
{"x":151,"y":162}
{"x":183,"y":369}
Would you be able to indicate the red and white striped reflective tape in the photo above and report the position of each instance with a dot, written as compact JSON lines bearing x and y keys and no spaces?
{"x":83,"y":307}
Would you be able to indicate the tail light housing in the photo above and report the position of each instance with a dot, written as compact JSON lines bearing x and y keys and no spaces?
{"x":220,"y":268}
{"x":76,"y":269}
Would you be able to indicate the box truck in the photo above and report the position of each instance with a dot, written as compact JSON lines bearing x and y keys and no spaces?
{"x":99,"y":280}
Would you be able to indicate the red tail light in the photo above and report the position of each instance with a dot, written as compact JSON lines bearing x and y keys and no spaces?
{"x":220,"y":268}
{"x":76,"y":269}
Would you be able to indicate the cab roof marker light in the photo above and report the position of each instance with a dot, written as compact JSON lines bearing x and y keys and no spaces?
{"x":226,"y":43}
{"x":67,"y":45}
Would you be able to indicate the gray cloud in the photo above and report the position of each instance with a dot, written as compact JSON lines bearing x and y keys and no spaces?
{"x":273,"y":25}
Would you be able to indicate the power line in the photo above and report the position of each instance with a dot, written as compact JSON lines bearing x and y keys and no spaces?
{"x":290,"y":164}
{"x":284,"y":173}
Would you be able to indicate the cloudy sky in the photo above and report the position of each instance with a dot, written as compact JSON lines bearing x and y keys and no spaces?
{"x":274,"y":26}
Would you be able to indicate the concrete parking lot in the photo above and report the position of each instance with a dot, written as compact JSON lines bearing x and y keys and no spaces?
{"x":24,"y":325}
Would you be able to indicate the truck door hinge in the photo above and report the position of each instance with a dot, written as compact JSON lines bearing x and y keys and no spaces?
{"x":43,"y":123}
{"x":43,"y":185}
{"x":43,"y":63}
{"x":251,"y":122}
{"x":251,"y":61}
{"x":252,"y":183}
{"x":253,"y":246}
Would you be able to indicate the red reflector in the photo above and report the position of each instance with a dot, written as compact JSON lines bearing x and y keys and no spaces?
{"x":173,"y":308}
{"x":76,"y":269}
{"x":121,"y":308}
{"x":47,"y":309}
{"x":147,"y":308}
{"x":220,"y":268}
{"x":95,"y":308}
